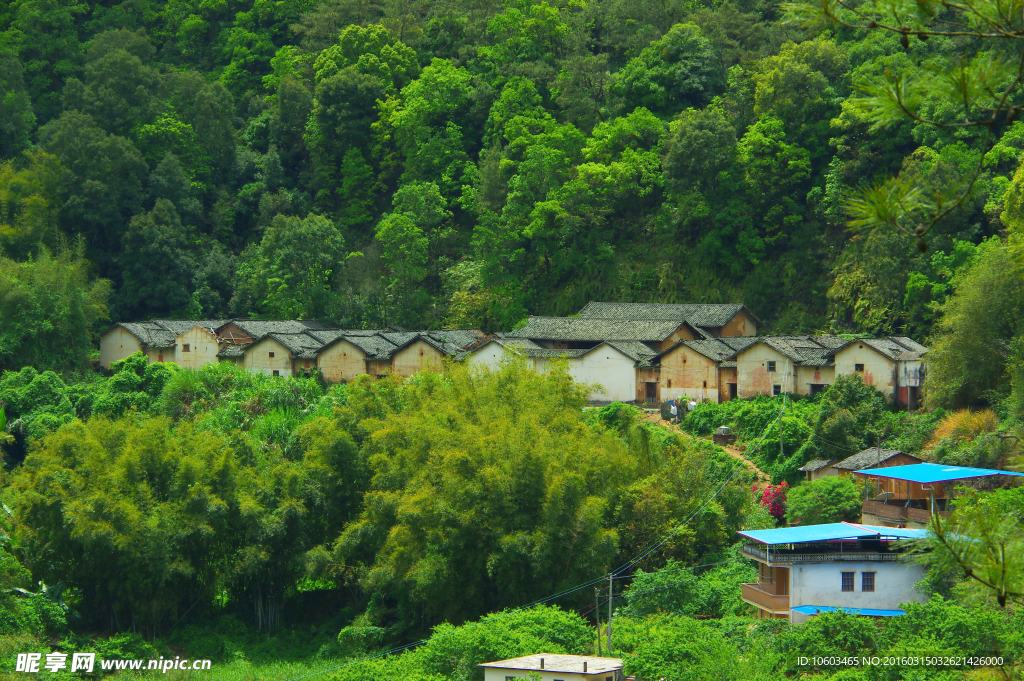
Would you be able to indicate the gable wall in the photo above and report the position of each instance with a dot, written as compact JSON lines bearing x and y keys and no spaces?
{"x":740,"y":325}
{"x":614,"y":371}
{"x":753,"y":377}
{"x":687,"y":373}
{"x":257,"y":358}
{"x":203,"y":348}
{"x":414,"y":358}
{"x":490,"y":355}
{"x":341,"y":362}
{"x":682,"y":332}
{"x":878,"y":370}
{"x":116,"y":344}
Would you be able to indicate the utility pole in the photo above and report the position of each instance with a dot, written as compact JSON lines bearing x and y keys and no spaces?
{"x":610,"y":577}
{"x":597,"y":614}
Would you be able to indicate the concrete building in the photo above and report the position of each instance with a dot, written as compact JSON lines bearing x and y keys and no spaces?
{"x":555,"y":667}
{"x":814,"y":568}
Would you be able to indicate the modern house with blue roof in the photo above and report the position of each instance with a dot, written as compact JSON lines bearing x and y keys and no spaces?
{"x":805,"y":570}
{"x":912,"y":493}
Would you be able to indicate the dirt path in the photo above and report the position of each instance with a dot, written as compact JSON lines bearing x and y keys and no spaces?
{"x":729,"y":449}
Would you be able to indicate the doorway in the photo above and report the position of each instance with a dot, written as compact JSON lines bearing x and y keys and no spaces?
{"x":732,"y":391}
{"x":650,"y":392}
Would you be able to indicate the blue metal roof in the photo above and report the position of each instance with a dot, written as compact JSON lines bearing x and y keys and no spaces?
{"x":866,"y":612}
{"x":827,"y":532}
{"x":926,"y":473}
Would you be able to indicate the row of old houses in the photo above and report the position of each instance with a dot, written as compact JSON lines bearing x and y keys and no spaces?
{"x":651,"y":352}
{"x":284,"y":347}
{"x":642,"y":352}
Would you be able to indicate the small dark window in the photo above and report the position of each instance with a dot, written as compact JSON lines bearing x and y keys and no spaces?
{"x":271,"y":354}
{"x":276,"y":372}
{"x":858,"y":368}
{"x":867,"y":581}
{"x":771,"y":366}
{"x":185,"y":347}
{"x":670,"y":383}
{"x":847,"y":581}
{"x":705,"y":384}
{"x":776,"y":389}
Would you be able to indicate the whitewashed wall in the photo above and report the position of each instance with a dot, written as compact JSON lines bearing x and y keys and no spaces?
{"x":822,"y":584}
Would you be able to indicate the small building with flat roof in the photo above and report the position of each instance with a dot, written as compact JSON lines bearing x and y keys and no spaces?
{"x":914,"y":492}
{"x":815,"y":568}
{"x":554,"y":667}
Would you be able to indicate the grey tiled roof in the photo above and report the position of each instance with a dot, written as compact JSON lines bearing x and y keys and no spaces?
{"x":232,"y":351}
{"x":375,"y":346}
{"x":895,"y":348}
{"x":150,"y":334}
{"x":258,"y":328}
{"x":713,"y":348}
{"x":815,"y":464}
{"x":461,"y":337}
{"x":866,"y":459}
{"x":635,"y":350}
{"x":803,"y":350}
{"x":160,"y":333}
{"x":696,"y":314}
{"x":596,"y":329}
{"x":399,"y":338}
{"x":182,"y":325}
{"x":301,"y":345}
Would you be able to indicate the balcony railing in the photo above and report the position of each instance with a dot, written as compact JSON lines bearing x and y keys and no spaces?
{"x":789,"y":557}
{"x":755,"y":595}
{"x":894,"y":512}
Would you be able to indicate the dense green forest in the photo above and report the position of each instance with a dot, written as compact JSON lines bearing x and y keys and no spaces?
{"x":281,"y":527}
{"x":466,"y":163}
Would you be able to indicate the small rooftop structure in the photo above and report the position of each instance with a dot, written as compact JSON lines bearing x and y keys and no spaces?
{"x":551,"y":665}
{"x":928,"y":473}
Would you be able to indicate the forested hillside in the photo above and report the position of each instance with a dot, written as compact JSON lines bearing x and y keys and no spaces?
{"x":466,"y":163}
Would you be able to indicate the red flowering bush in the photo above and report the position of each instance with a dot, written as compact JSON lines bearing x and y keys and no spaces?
{"x":773,"y":498}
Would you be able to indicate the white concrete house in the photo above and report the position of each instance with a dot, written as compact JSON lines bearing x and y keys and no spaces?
{"x":805,"y":570}
{"x":554,"y":667}
{"x":613,"y":365}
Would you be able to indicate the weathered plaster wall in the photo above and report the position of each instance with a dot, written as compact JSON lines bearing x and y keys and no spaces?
{"x":202,"y":348}
{"x":116,"y":344}
{"x":342,"y":361}
{"x":807,"y":375}
{"x":687,"y":373}
{"x":257,"y":358}
{"x":753,"y":375}
{"x":740,"y":325}
{"x":878,"y":371}
{"x":414,"y":358}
